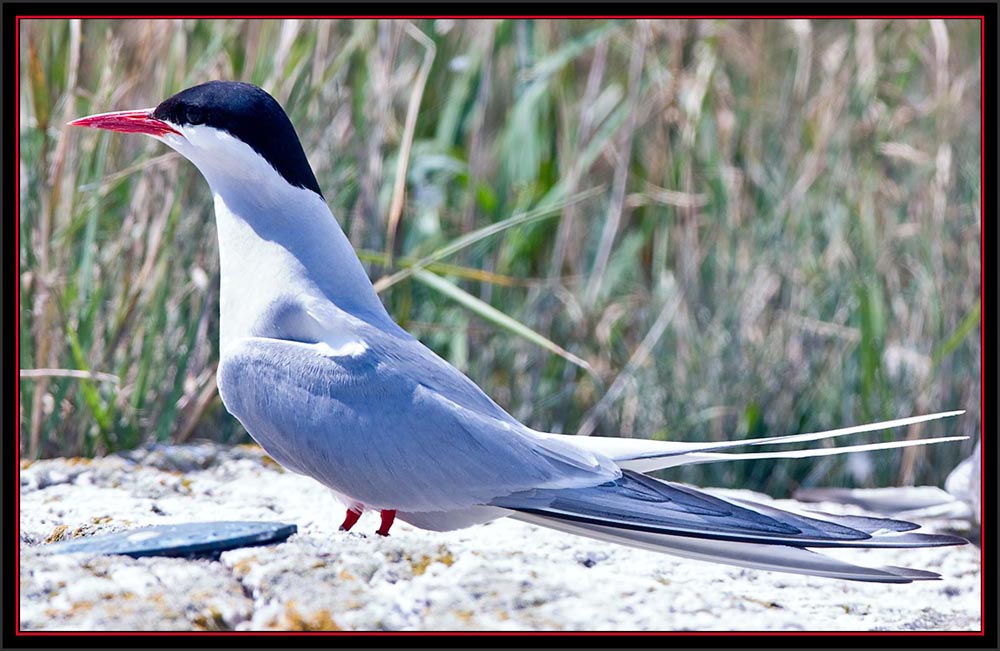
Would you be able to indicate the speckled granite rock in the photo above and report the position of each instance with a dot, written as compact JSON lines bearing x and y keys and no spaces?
{"x":502,"y":576}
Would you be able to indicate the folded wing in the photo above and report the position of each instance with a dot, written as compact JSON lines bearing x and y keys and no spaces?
{"x":645,"y":512}
{"x":375,"y":428}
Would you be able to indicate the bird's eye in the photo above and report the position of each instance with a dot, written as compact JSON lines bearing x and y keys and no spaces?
{"x":195,"y":115}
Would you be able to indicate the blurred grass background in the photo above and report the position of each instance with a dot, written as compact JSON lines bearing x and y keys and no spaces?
{"x":731,"y":228}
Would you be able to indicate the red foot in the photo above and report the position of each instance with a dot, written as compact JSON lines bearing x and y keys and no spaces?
{"x":353,"y":513}
{"x":388,"y":516}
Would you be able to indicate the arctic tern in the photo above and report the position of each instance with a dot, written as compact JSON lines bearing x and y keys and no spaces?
{"x":330,"y":386}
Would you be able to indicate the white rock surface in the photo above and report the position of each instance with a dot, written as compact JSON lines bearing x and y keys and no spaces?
{"x":502,"y":576}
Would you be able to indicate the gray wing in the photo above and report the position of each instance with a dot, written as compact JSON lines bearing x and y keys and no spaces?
{"x":652,"y":514}
{"x":637,"y":502}
{"x":392,"y":427}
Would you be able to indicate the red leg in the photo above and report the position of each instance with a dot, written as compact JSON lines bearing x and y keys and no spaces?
{"x":352,"y":516}
{"x":388,"y":516}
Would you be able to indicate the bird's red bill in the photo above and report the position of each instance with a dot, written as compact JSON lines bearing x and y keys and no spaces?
{"x":141,"y":121}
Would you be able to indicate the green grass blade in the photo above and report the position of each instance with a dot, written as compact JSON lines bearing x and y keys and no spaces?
{"x":970,"y":321}
{"x":469,"y":239}
{"x":489,"y":313}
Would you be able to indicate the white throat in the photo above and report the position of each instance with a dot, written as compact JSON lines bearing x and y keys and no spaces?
{"x":277,"y":242}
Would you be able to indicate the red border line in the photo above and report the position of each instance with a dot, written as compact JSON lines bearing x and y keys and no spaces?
{"x":982,"y":317}
{"x":511,"y":633}
{"x":17,"y":326}
{"x":502,"y":17}
{"x":17,"y":330}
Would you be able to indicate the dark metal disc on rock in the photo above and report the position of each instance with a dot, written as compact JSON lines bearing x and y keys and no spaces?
{"x":190,"y":540}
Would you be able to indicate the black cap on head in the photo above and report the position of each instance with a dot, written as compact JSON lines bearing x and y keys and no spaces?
{"x":250,"y":114}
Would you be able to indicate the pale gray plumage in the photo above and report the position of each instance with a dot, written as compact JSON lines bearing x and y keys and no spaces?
{"x":394,"y":411}
{"x":321,"y":376}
